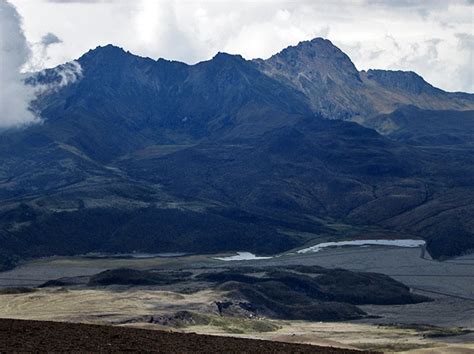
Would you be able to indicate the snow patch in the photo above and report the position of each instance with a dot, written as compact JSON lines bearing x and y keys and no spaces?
{"x":241,"y":256}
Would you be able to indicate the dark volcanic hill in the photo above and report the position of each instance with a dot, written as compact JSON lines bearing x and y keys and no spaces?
{"x":231,"y":154}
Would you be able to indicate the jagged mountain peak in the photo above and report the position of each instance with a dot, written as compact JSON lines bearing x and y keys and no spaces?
{"x":314,"y":48}
{"x":224,"y":61}
{"x":334,"y":86}
{"x":323,"y":72}
{"x":104,"y":52}
{"x":111,"y":57}
{"x":316,"y":59}
{"x":223,"y":56}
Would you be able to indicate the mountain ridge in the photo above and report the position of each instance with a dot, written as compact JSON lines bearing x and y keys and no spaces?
{"x":160,"y":156}
{"x":323,"y":73}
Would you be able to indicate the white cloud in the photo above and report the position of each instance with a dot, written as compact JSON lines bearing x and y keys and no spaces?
{"x":404,"y":34}
{"x":15,"y":96}
{"x":39,"y":58}
{"x":15,"y":60}
{"x":60,"y":76}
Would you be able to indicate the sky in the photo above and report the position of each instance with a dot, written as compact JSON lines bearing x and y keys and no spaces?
{"x":434,"y":38}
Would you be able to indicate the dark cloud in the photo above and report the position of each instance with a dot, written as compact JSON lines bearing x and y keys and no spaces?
{"x":464,"y":72}
{"x":465,"y":41}
{"x":50,"y":38}
{"x":374,"y":54}
{"x":394,"y":42}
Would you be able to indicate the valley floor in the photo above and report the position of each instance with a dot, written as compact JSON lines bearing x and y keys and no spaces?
{"x":444,"y":325}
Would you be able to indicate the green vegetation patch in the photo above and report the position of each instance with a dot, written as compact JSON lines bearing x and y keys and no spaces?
{"x":226,"y":323}
{"x":242,"y":325}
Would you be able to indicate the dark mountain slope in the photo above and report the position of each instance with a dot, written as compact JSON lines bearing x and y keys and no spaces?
{"x":326,"y":170}
{"x":62,"y":196}
{"x":124,"y":102}
{"x":161,"y":156}
{"x":426,"y":127}
{"x":263,"y":174}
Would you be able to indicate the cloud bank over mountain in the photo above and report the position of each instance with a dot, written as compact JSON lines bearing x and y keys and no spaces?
{"x":18,"y":59}
{"x":427,"y":37}
{"x":15,"y":96}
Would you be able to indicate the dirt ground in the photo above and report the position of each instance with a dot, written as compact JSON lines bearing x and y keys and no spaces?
{"x":34,"y":336}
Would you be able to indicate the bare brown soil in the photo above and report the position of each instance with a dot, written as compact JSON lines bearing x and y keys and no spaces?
{"x":42,"y":336}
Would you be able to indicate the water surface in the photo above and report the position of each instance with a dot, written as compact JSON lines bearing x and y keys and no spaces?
{"x":396,"y":243}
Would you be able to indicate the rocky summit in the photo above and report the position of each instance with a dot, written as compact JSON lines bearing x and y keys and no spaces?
{"x":335,"y":88}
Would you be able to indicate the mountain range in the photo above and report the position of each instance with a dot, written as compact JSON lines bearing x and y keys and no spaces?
{"x":232,"y":154}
